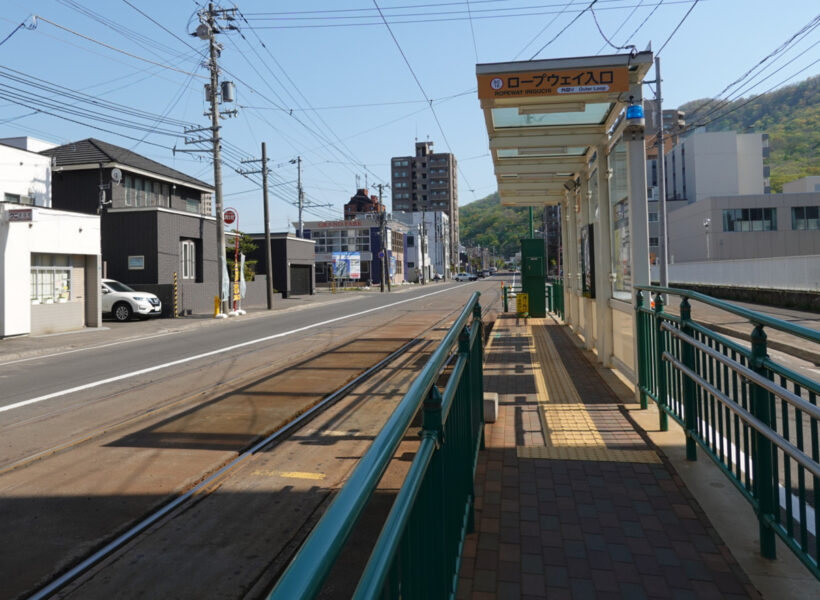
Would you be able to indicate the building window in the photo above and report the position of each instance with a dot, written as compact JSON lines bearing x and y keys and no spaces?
{"x":13,"y":198}
{"x":750,"y":219}
{"x":653,"y":217}
{"x":805,"y":217}
{"x":50,"y":278}
{"x":187,"y":259}
{"x":411,"y":241}
{"x":653,"y":241}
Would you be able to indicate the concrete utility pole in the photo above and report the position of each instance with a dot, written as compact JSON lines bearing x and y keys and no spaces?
{"x":268,"y":261}
{"x":421,"y":248}
{"x":300,"y":192}
{"x":662,"y":245}
{"x":207,"y":30}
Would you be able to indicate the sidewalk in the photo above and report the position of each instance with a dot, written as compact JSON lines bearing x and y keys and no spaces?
{"x":575,"y":501}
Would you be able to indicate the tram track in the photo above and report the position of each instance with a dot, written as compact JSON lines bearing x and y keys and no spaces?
{"x":198,"y":486}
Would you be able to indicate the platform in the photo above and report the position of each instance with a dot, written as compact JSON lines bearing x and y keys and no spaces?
{"x":573,"y":498}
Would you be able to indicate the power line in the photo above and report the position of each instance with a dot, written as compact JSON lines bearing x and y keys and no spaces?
{"x":426,"y":97}
{"x":674,"y":31}
{"x":571,"y":23}
{"x":606,"y":39}
{"x":543,"y":29}
{"x":129,"y":54}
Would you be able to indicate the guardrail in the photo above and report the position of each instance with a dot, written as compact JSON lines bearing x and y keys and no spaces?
{"x":753,"y":415}
{"x":554,"y":295}
{"x":419,"y":550}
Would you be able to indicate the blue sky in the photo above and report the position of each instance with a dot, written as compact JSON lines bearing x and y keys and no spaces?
{"x":326,"y":81}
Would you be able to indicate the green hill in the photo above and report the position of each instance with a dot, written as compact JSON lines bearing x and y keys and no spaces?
{"x":791,"y":117}
{"x":487,"y":224}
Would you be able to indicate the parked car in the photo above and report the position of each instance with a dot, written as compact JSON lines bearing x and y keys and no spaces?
{"x":485,"y":273}
{"x":122,"y":302}
{"x":466,"y":277}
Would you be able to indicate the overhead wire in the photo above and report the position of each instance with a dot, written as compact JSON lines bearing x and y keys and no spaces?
{"x":571,"y":23}
{"x":614,"y":33}
{"x":674,"y":31}
{"x":423,"y":92}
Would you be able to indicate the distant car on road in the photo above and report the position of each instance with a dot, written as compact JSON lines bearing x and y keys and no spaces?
{"x":485,"y":273}
{"x":122,"y":302}
{"x":466,"y":277}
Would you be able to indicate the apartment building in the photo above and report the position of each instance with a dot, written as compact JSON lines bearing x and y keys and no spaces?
{"x":427,"y":181}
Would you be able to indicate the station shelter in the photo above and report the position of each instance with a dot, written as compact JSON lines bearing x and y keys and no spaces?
{"x":569,"y":132}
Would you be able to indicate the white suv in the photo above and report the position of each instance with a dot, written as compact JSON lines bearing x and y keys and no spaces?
{"x":123,"y":302}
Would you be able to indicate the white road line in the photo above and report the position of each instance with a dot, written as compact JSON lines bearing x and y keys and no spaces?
{"x":87,"y":348}
{"x":181,"y":361}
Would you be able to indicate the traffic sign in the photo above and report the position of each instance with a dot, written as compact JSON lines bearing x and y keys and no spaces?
{"x":229,"y":215}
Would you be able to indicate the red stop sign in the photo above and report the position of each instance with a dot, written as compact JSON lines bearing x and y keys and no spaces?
{"x":229,"y":216}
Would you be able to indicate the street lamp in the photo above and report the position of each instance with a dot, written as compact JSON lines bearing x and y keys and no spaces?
{"x":706,"y":223}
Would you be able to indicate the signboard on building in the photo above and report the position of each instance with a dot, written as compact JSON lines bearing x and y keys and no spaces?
{"x":347,"y":265}
{"x":18,"y":215}
{"x":529,"y":84}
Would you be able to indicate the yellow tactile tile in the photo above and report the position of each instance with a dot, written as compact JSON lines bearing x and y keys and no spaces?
{"x":569,"y":430}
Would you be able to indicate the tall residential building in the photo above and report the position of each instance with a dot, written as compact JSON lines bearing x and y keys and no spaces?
{"x":427,"y":182}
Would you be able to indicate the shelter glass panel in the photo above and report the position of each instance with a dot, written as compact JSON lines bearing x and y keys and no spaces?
{"x":573,"y":113}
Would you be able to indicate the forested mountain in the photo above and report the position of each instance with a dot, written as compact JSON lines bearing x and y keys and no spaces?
{"x":790,"y":115}
{"x":487,"y":224}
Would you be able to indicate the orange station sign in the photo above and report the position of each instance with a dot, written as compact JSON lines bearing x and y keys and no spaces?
{"x":533,"y":84}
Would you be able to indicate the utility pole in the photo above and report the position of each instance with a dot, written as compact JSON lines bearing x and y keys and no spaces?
{"x":662,"y":245}
{"x":207,"y":30}
{"x":421,"y":248}
{"x":383,"y":224}
{"x":268,"y":261}
{"x":300,"y":192}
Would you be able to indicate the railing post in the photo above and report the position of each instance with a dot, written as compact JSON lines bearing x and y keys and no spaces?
{"x":689,"y":396}
{"x":641,"y":345}
{"x":433,"y":428}
{"x":764,"y":485}
{"x":660,"y":375}
{"x":506,"y":302}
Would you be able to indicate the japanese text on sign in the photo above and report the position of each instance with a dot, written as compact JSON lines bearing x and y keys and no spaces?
{"x":522,"y":304}
{"x":554,"y":83}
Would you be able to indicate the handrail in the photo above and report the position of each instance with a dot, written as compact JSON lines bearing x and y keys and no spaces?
{"x":756,"y":418}
{"x":752,"y":316}
{"x":307,"y":571}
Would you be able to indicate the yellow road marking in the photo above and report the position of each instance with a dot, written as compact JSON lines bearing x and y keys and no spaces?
{"x":291,"y":474}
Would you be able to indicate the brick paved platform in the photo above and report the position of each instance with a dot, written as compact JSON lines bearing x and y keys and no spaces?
{"x":572,"y":501}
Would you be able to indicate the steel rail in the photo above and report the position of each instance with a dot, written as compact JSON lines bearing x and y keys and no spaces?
{"x":166,"y":509}
{"x":306,"y":572}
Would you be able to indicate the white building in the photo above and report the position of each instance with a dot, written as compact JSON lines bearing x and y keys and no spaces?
{"x":428,"y":244}
{"x":717,"y":163}
{"x":49,"y":259}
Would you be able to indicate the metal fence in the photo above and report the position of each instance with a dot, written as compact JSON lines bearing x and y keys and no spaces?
{"x":419,"y":550}
{"x":756,"y":417}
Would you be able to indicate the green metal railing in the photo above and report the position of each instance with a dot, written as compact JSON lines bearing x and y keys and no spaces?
{"x":753,"y":415}
{"x":555,"y":295}
{"x":419,"y":550}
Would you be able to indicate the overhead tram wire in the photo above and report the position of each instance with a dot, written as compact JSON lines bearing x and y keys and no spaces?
{"x":621,"y":26}
{"x":639,"y":27}
{"x":472,"y":31}
{"x":424,"y":93}
{"x":674,"y":31}
{"x":606,"y":39}
{"x":543,"y":29}
{"x":299,"y":92}
{"x":571,"y":23}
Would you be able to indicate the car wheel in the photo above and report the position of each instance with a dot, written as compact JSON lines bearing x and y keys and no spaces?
{"x":122,"y":312}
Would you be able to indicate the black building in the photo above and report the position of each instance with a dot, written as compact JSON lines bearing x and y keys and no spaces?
{"x":156,"y":224}
{"x":292,"y":259}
